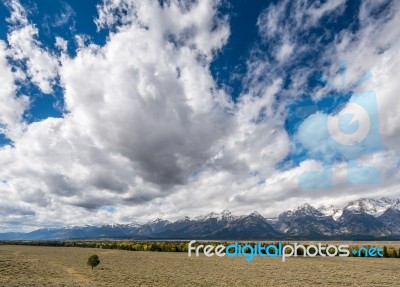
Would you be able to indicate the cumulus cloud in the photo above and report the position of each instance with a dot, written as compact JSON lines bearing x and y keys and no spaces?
{"x":41,"y":65}
{"x":373,"y":47}
{"x":147,"y":132}
{"x":12,"y":106}
{"x":376,"y":48}
{"x":143,"y":113}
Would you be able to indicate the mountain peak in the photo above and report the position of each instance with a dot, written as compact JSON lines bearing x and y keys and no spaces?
{"x":304,"y":206}
{"x":331,"y":211}
{"x":363,"y":217}
{"x":157,"y":221}
{"x":302,"y":210}
{"x":226,"y":212}
{"x":227,"y":215}
{"x":256,"y":214}
{"x":185,"y":218}
{"x":374,"y":207}
{"x":224,"y":215}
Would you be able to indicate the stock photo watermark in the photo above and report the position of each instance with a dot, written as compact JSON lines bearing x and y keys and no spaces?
{"x":344,"y":134}
{"x":281,"y":250}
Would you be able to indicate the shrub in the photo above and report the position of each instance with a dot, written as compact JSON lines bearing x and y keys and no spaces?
{"x":93,"y":261}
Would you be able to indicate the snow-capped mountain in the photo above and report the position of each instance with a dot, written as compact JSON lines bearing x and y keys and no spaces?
{"x":306,"y":220}
{"x":360,"y":219}
{"x":374,"y":207}
{"x":151,"y":227}
{"x":336,"y":213}
{"x":303,"y":210}
{"x":184,"y":219}
{"x":224,"y":215}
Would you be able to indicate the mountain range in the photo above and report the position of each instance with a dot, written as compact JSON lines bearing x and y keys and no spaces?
{"x":363,"y":219}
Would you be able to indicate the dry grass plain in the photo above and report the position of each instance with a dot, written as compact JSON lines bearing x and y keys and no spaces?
{"x":62,"y":266}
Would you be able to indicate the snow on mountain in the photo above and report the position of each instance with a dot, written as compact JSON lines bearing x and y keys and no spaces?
{"x":133,"y":225}
{"x":79,"y":226}
{"x":374,"y":207}
{"x":224,"y":215}
{"x":256,"y":214}
{"x":185,"y":218}
{"x":302,"y":210}
{"x":158,"y":221}
{"x":227,"y":215}
{"x":336,"y":213}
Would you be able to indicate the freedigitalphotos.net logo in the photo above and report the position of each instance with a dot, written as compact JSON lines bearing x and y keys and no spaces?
{"x":250,"y":251}
{"x":346,"y":133}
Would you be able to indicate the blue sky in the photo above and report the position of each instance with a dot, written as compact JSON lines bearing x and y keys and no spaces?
{"x":69,"y":18}
{"x":130,"y":110}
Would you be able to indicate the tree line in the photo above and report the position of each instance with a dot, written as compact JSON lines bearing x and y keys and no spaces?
{"x":165,"y":246}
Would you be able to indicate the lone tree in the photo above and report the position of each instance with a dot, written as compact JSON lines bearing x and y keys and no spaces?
{"x":93,"y":261}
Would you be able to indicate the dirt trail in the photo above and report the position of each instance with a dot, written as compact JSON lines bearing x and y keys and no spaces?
{"x":103,"y":252}
{"x":78,"y":278}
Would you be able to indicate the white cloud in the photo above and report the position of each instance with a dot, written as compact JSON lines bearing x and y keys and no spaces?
{"x":18,"y":13}
{"x":62,"y":44}
{"x":143,"y":114}
{"x":41,"y":65}
{"x":66,"y":14}
{"x":376,"y":48}
{"x":281,"y":24}
{"x":11,"y":106}
{"x":148,"y":132}
{"x":285,"y":51}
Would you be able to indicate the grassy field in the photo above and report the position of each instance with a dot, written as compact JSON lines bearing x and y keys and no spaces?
{"x":61,"y":266}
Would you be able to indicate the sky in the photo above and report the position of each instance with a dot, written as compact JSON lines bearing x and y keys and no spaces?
{"x":121,"y":111}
